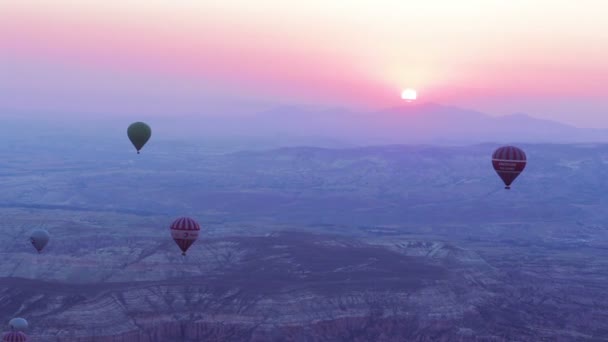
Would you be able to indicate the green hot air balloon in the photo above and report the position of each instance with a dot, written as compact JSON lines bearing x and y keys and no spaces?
{"x":139,"y":133}
{"x":39,"y":239}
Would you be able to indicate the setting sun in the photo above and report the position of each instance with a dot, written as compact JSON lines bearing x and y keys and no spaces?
{"x":409,"y":94}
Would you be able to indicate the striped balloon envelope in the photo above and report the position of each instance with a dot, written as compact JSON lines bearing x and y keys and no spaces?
{"x":508,"y":162}
{"x":184,"y":232}
{"x":14,"y":336}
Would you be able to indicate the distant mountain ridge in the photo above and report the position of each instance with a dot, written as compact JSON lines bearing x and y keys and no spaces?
{"x":428,"y":123}
{"x":425,"y":123}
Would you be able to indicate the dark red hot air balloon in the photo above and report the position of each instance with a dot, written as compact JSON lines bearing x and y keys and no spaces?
{"x":509,"y":162}
{"x":184,"y":232}
{"x":14,"y":336}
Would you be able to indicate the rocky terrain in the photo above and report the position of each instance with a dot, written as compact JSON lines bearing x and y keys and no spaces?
{"x":254,"y":288}
{"x":301,"y":286}
{"x":390,"y":243}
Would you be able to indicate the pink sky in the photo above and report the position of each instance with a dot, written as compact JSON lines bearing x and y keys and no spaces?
{"x":545,"y":57}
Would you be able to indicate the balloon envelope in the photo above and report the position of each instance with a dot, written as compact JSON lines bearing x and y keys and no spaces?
{"x":508,"y":162}
{"x":139,"y":133}
{"x":18,"y":323}
{"x":14,"y":336}
{"x":39,"y":239}
{"x":184,"y":232}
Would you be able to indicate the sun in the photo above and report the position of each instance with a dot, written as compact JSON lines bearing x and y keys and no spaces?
{"x":409,"y":94}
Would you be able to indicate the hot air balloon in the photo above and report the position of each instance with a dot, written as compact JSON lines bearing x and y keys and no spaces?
{"x":39,"y":239}
{"x":139,"y":133}
{"x":18,"y":324}
{"x":14,"y":336}
{"x":184,"y":232}
{"x":509,"y":162}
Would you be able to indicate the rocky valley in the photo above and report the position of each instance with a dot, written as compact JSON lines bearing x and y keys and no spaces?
{"x":387,"y":243}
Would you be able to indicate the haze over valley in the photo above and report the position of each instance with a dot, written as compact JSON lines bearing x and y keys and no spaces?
{"x":303,"y":242}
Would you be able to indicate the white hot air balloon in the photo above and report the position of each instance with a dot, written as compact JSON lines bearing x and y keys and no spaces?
{"x":18,"y":323}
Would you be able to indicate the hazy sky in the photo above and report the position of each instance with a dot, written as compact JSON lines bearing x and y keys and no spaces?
{"x":548,"y":58}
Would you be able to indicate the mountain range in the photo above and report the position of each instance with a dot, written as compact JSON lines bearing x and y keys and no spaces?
{"x":412,"y":124}
{"x":426,"y":123}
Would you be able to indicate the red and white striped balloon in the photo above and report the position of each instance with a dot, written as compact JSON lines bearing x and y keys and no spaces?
{"x":14,"y":336}
{"x":184,"y":232}
{"x":508,"y":162}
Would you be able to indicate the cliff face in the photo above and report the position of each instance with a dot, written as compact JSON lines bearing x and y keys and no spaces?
{"x":290,"y":286}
